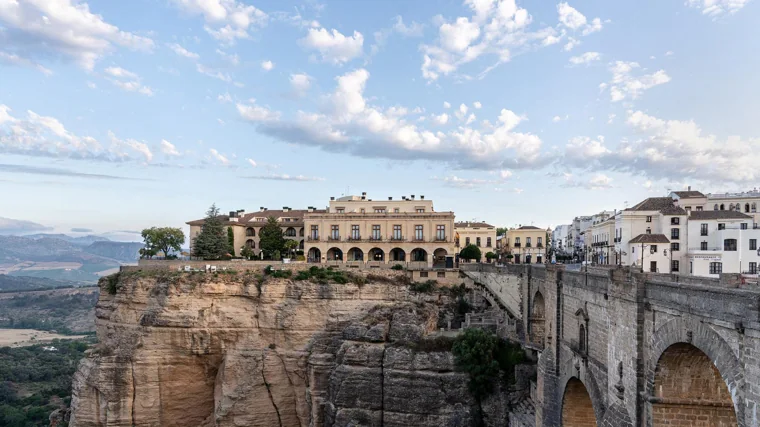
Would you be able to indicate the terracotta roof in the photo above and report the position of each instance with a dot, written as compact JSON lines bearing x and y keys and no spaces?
{"x":466,"y":224}
{"x":688,"y":194}
{"x":528,"y":227}
{"x":650,"y":238}
{"x":652,"y":204}
{"x":250,"y":217}
{"x":674,"y":210}
{"x":718,"y":215}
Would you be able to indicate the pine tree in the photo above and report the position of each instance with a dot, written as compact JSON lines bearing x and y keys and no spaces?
{"x":211,"y":242}
{"x":231,"y":241}
{"x":271,"y":238}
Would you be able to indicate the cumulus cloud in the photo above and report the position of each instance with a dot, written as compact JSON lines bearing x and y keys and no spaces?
{"x":300,"y":83}
{"x":42,"y":136}
{"x":626,"y":85}
{"x":231,"y":58}
{"x":226,"y":20}
{"x":716,"y":8}
{"x":441,"y":119}
{"x":13,"y":59}
{"x":252,"y":162}
{"x":64,"y":29}
{"x":285,"y":177}
{"x":181,"y":51}
{"x":213,"y":73}
{"x":333,"y":46}
{"x":571,"y":44}
{"x":446,"y":104}
{"x":267,"y":65}
{"x":349,"y":122}
{"x":585,"y":58}
{"x":169,"y":149}
{"x":127,"y":80}
{"x":477,"y":105}
{"x":219,"y":157}
{"x":576,"y":21}
{"x":414,"y":29}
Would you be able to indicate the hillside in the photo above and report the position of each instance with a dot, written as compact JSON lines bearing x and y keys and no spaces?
{"x":25,"y":283}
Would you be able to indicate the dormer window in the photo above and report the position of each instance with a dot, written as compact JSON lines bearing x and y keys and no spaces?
{"x":340,"y":210}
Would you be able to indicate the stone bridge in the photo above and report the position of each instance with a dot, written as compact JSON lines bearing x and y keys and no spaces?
{"x":618,"y":347}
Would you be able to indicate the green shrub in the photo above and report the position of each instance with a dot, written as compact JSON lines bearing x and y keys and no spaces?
{"x":397,"y":267}
{"x":112,"y":283}
{"x":424,"y":287}
{"x":485,"y":357}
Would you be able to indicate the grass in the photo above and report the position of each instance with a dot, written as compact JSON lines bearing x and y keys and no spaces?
{"x":424,"y":287}
{"x":329,"y":274}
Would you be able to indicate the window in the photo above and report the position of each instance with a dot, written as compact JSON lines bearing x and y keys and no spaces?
{"x":527,"y":242}
{"x":691,"y":267}
{"x":334,"y":232}
{"x":477,"y":241}
{"x":290,"y":232}
{"x":753,"y":244}
{"x":753,"y":268}
{"x":379,"y":210}
{"x":699,"y":208}
{"x":722,"y":207}
{"x":715,"y":208}
{"x":582,"y":339}
{"x":423,"y":274}
{"x":675,"y":233}
{"x":754,"y":207}
{"x":420,"y":210}
{"x":314,"y":233}
{"x":375,"y":232}
{"x":488,"y":242}
{"x":340,"y":210}
{"x":703,"y":246}
{"x":703,"y":231}
{"x":250,"y":232}
{"x":540,"y":241}
{"x":729,"y":245}
{"x":467,"y":241}
{"x":363,"y":210}
{"x":517,"y":242}
{"x":649,"y":219}
{"x":250,"y":243}
{"x":746,"y":207}
{"x":396,"y":210}
{"x":649,"y":230}
{"x":397,"y":232}
{"x":674,"y":266}
{"x":418,"y":235}
{"x":721,"y":226}
{"x":675,"y":247}
{"x":653,"y":248}
{"x":743,"y":226}
{"x":716,"y":268}
{"x":653,"y":266}
{"x":440,"y":232}
{"x":675,"y":221}
{"x":355,"y":232}
{"x":441,"y":274}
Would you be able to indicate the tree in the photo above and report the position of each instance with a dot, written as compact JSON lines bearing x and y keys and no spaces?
{"x":231,"y":241}
{"x":490,"y":256}
{"x":290,"y":246}
{"x":470,"y":252}
{"x":271,"y":239}
{"x":500,"y":231}
{"x":247,"y":252}
{"x":162,"y":239}
{"x":211,"y":242}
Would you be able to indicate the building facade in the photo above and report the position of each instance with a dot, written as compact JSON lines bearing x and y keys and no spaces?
{"x":480,"y":234}
{"x":722,"y":242}
{"x":560,"y":237}
{"x":527,"y":244}
{"x":355,"y":229}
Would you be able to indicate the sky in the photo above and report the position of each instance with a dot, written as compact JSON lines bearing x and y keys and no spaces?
{"x":117,"y":116}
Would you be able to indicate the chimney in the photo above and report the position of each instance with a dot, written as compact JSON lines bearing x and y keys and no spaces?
{"x":412,"y":196}
{"x":422,"y":197}
{"x":262,"y":209}
{"x":364,"y":193}
{"x":689,"y":188}
{"x":311,"y":209}
{"x":332,"y":198}
{"x":390,"y":198}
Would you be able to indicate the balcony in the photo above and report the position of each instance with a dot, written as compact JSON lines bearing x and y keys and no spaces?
{"x":528,"y":245}
{"x":376,"y":238}
{"x":517,"y":245}
{"x":539,"y":246}
{"x":418,"y":239}
{"x":354,"y":238}
{"x":334,"y":238}
{"x":703,"y":233}
{"x":313,"y":238}
{"x":397,"y":238}
{"x":440,"y":238}
{"x":706,"y":249}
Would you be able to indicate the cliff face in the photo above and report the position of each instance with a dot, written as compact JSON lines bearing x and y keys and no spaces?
{"x":229,"y":350}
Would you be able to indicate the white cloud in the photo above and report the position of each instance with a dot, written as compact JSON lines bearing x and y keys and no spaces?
{"x":168,"y":148}
{"x":585,"y":58}
{"x":286,"y":177}
{"x":446,"y":104}
{"x":92,"y":85}
{"x":505,"y":174}
{"x":267,"y":65}
{"x":441,"y":119}
{"x":570,"y":17}
{"x":181,"y":51}
{"x":333,"y":46}
{"x":571,"y":44}
{"x":63,"y":29}
{"x":13,"y":59}
{"x":219,"y":75}
{"x":459,"y":35}
{"x":611,"y":118}
{"x":225,"y":97}
{"x":127,"y":80}
{"x":300,"y":83}
{"x":556,"y":119}
{"x":598,"y":181}
{"x":625,"y":85}
{"x":715,"y":8}
{"x":669,"y":53}
{"x":226,"y":20}
{"x":252,"y":162}
{"x":231,"y":58}
{"x":464,"y":183}
{"x":412,"y":30}
{"x":349,"y":122}
{"x":219,"y":157}
{"x":477,"y":105}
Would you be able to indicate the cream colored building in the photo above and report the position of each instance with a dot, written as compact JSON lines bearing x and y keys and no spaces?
{"x":480,"y":234}
{"x":355,"y":229}
{"x":600,"y":238}
{"x":247,"y":226}
{"x":527,"y":244}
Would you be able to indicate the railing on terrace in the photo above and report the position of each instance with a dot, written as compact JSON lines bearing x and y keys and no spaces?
{"x":710,"y":249}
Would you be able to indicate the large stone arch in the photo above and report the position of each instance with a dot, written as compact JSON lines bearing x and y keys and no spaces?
{"x":538,"y":319}
{"x":709,"y":342}
{"x":577,"y":406}
{"x":570,"y":369}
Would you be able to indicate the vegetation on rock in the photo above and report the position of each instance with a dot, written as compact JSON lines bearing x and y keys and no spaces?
{"x":485,"y":357}
{"x":423,"y":287}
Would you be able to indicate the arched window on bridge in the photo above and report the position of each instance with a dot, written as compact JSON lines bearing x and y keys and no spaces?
{"x":538,"y":320}
{"x":582,"y":339}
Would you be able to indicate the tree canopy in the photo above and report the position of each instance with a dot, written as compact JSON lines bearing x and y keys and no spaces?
{"x":291,"y":246}
{"x":231,"y":241}
{"x":470,"y":252}
{"x":271,"y":238}
{"x":485,"y":357}
{"x":162,"y":239}
{"x":211,"y":242}
{"x":490,"y":255}
{"x":500,"y":231}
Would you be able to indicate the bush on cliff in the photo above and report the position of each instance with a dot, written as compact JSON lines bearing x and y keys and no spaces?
{"x":485,"y":357}
{"x":424,"y":287}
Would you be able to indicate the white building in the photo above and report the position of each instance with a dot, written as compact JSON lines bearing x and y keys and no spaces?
{"x":722,"y":242}
{"x":559,"y":237}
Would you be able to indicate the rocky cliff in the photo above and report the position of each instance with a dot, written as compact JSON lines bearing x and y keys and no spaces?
{"x":247,"y":350}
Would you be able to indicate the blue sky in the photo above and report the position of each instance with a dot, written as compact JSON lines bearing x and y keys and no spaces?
{"x":123,"y":115}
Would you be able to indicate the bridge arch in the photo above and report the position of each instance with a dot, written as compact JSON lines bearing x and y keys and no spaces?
{"x":538,"y":319}
{"x":577,"y":407}
{"x":569,"y":371}
{"x":688,"y":349}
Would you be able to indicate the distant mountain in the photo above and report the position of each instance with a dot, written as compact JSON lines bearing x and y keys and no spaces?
{"x":18,"y":226}
{"x":121,"y":251}
{"x":23,"y":283}
{"x":83,"y":240}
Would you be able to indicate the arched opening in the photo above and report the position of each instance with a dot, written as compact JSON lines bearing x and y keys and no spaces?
{"x":754,"y":207}
{"x":250,"y":232}
{"x":300,"y":245}
{"x":315,"y":255}
{"x":250,"y":243}
{"x":376,"y":254}
{"x":746,"y":207}
{"x":334,"y":254}
{"x":582,"y":339}
{"x":715,"y":208}
{"x":527,"y":258}
{"x":290,"y":232}
{"x":355,"y":254}
{"x":397,"y":254}
{"x":688,"y":387}
{"x":439,"y":257}
{"x":722,"y":207}
{"x":577,"y":409}
{"x":300,"y":232}
{"x":419,"y":255}
{"x":538,"y":320}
